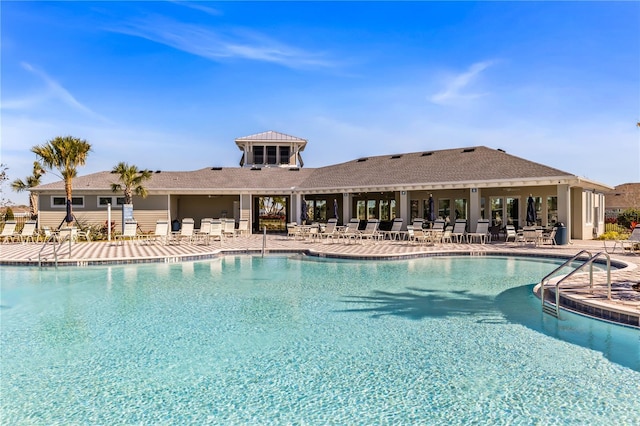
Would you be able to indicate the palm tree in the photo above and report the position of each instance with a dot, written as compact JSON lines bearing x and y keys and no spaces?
{"x":64,"y":153}
{"x":32,"y":181}
{"x":131,"y":181}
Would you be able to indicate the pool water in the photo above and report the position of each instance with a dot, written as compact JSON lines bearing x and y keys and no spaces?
{"x":299,"y":340}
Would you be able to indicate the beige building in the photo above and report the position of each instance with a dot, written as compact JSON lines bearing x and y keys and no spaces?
{"x":271,"y":186}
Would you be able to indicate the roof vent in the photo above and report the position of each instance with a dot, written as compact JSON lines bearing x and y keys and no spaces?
{"x":426,"y":154}
{"x":216,"y":168}
{"x":396,"y":156}
{"x":256,"y":168}
{"x":294,"y":169}
{"x":468,"y":150}
{"x":502,"y":150}
{"x":361,"y":160}
{"x":157,"y":171}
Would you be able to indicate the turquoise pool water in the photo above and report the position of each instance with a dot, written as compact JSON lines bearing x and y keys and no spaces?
{"x":290,"y":340}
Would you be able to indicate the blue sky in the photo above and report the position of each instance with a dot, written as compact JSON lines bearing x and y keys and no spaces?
{"x":171,"y":85}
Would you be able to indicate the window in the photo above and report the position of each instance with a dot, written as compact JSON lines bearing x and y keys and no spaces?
{"x":460,"y":206}
{"x":496,"y":211}
{"x":61,"y":202}
{"x":387,"y":209}
{"x":271,"y":155}
{"x":258,"y":155}
{"x":589,"y":207}
{"x":552,"y":210}
{"x":371,"y":209}
{"x":115,"y":201}
{"x":284,"y":155}
{"x":513,"y":212}
{"x":444,"y":209}
{"x":414,"y":209}
{"x":361,"y":209}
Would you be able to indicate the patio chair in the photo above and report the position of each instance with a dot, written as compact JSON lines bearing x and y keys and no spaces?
{"x":447,"y":235}
{"x":395,"y":233}
{"x":129,"y":233}
{"x":9,"y":231}
{"x":243,"y":228}
{"x":530,"y":235}
{"x":510,"y":234}
{"x":371,"y":230}
{"x":186,"y":232}
{"x":216,"y":231}
{"x":351,"y":230}
{"x":482,"y":232}
{"x":548,"y":238}
{"x":28,"y":232}
{"x":330,"y":230}
{"x":439,"y":224}
{"x":202,"y":233}
{"x":293,"y":231}
{"x":161,"y":233}
{"x":459,"y":231}
{"x":228,"y":227}
{"x":630,"y":245}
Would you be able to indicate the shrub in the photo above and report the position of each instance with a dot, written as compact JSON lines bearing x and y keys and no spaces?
{"x":629,"y":216}
{"x":8,"y":214}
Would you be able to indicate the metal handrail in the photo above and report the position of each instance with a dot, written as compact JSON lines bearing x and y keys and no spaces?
{"x":589,"y":262}
{"x":550,"y":274}
{"x":53,"y":238}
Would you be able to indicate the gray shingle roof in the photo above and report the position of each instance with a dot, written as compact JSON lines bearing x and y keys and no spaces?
{"x":461,"y":165}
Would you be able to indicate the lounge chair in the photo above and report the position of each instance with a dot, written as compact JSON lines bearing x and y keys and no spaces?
{"x":418,"y":235}
{"x":331,"y":230}
{"x":28,"y":232}
{"x":129,"y":233}
{"x":293,"y":230}
{"x":371,"y":230}
{"x":161,"y":233}
{"x":630,"y":245}
{"x":395,"y":233}
{"x":351,"y":230}
{"x":530,"y":235}
{"x":417,"y":223}
{"x":186,"y":232}
{"x":9,"y":231}
{"x":243,"y":228}
{"x":460,"y":231}
{"x":216,"y":231}
{"x":202,"y":233}
{"x":447,"y":236}
{"x":228,"y":227}
{"x":482,"y":232}
{"x":439,"y":224}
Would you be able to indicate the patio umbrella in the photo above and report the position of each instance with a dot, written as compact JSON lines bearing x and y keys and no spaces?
{"x":303,"y":212}
{"x":531,"y":211}
{"x":69,"y":217}
{"x":432,"y":210}
{"x":335,"y":208}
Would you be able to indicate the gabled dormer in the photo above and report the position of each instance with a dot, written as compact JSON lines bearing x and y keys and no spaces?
{"x":271,"y":149}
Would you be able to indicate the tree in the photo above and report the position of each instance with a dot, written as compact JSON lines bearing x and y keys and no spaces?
{"x":32,"y":181}
{"x":131,"y":180}
{"x":64,"y":153}
{"x":4,"y":176}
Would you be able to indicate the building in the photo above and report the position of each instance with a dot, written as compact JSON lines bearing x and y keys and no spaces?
{"x":623,"y":197}
{"x":271,"y":186}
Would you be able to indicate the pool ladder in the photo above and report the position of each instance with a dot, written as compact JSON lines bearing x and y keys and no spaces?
{"x":551,"y":308}
{"x":55,"y":240}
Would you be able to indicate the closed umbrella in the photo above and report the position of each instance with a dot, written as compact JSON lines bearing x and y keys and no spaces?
{"x":303,"y":212}
{"x":432,"y":210}
{"x":335,"y":208}
{"x":531,"y":211}
{"x":69,"y":217}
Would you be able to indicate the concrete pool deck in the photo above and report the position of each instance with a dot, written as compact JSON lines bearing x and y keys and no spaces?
{"x":623,"y":306}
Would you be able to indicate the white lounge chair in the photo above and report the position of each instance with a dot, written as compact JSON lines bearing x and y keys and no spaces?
{"x":395,"y":233}
{"x":216,"y":231}
{"x":129,"y":233}
{"x":370,"y":232}
{"x":548,"y":238}
{"x":350,"y":232}
{"x":202,"y":233}
{"x":459,"y":231}
{"x":243,"y":228}
{"x":186,"y":232}
{"x":511,"y":233}
{"x":228,"y":227}
{"x":630,"y":245}
{"x":481,"y":234}
{"x":28,"y":232}
{"x":161,"y":233}
{"x":330,"y":230}
{"x":9,"y":231}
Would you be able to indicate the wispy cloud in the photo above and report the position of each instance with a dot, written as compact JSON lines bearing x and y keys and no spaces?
{"x":198,"y":6}
{"x":221,"y":44}
{"x":455,"y":85}
{"x":54,"y":90}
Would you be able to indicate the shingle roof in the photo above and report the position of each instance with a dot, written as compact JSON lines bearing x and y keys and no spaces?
{"x":271,"y":136}
{"x":462,"y":165}
{"x":623,"y":197}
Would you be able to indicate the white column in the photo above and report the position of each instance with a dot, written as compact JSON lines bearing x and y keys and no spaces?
{"x":564,"y":207}
{"x":474,"y":207}
{"x":346,"y":208}
{"x":405,"y":208}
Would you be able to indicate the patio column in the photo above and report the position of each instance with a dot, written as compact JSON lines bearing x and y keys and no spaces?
{"x":346,"y":207}
{"x":564,"y":207}
{"x":405,"y":208}
{"x":474,"y":207}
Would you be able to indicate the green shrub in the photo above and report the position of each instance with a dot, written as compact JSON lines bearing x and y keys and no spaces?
{"x":8,"y":214}
{"x":628,"y":216}
{"x":613,"y":235}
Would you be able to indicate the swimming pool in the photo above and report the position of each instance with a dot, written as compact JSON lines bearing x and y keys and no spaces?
{"x":251,"y":340}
